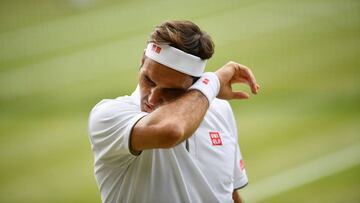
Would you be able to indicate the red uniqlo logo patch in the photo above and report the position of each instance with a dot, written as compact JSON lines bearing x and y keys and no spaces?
{"x":156,"y":48}
{"x":215,"y":138}
{"x":242,"y":165}
{"x":205,"y":81}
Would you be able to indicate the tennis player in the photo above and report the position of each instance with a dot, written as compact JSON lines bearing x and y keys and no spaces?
{"x":174,"y":139}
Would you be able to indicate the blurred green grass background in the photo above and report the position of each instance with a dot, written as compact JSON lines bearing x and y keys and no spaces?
{"x":59,"y":58}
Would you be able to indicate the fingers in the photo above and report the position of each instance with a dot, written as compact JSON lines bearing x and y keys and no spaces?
{"x":254,"y":88}
{"x":240,"y":95}
{"x":246,"y":75}
{"x":235,"y":73}
{"x":257,"y":87}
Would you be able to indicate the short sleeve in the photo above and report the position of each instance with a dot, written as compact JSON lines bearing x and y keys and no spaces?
{"x":110,"y":126}
{"x":240,"y":177}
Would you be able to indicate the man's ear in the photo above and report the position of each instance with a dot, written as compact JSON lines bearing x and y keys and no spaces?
{"x":142,"y":59}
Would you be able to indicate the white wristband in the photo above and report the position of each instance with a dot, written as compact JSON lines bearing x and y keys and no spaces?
{"x":208,"y":84}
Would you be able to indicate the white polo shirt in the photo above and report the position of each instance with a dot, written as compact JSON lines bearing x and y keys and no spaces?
{"x":205,"y":168}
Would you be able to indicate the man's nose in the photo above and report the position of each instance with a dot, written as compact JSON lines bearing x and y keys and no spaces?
{"x":155,"y":97}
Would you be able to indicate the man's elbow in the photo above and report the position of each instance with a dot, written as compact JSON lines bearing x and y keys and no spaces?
{"x":165,"y":135}
{"x":172,"y":135}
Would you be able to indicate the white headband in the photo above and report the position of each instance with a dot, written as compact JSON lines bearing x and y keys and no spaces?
{"x":176,"y":59}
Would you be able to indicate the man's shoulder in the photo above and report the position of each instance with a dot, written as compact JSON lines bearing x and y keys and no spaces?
{"x":117,"y":103}
{"x":121,"y":106}
{"x":113,"y":112}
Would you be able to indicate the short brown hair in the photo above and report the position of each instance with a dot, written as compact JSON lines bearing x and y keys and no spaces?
{"x":184,"y":35}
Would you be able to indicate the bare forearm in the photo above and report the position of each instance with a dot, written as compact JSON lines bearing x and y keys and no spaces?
{"x":236,"y":197}
{"x":171,"y":123}
{"x":188,"y":112}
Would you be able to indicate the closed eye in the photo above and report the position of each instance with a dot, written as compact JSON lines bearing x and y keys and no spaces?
{"x":149,"y":81}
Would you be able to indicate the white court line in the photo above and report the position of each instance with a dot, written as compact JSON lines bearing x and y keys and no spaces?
{"x":306,"y":173}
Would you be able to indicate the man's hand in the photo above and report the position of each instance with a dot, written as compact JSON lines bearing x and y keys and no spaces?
{"x":232,"y":73}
